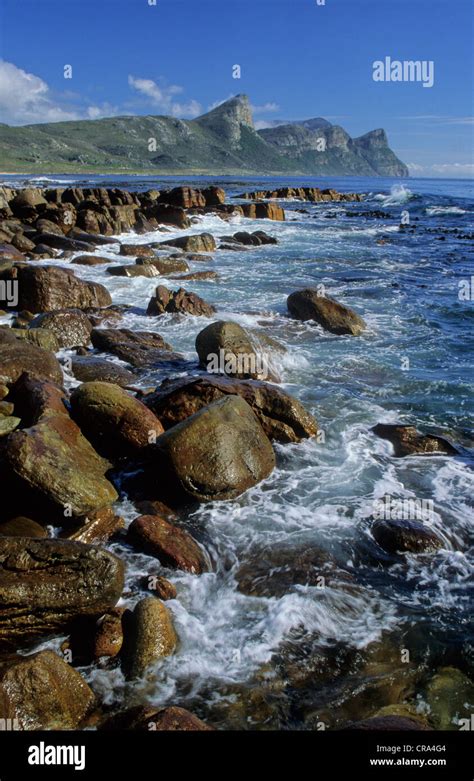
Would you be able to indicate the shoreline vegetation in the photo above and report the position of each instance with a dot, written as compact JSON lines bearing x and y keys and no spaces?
{"x":66,"y":456}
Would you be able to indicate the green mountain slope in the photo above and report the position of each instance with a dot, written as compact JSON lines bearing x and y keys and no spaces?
{"x":223,"y":141}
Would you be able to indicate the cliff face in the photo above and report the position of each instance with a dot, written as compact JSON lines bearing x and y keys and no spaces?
{"x":222,"y":141}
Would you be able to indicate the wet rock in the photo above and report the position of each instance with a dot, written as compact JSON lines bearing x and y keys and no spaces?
{"x":386,"y":724}
{"x":178,"y":301}
{"x":148,"y":718}
{"x":97,"y":526}
{"x":186,"y":197}
{"x":401,"y":536}
{"x":138,"y":348}
{"x":148,"y":270}
{"x":36,"y":399}
{"x":54,"y":465}
{"x":172,"y":546}
{"x":273,"y":571}
{"x":90,"y":368}
{"x":200,"y":242}
{"x":149,"y":635}
{"x":282,"y":417}
{"x":18,"y":356}
{"x":47,"y":288}
{"x":225,"y":434}
{"x":108,"y":636}
{"x":90,"y":260}
{"x":71,"y":327}
{"x":165,"y":265}
{"x":56,"y":241}
{"x":332,"y":316}
{"x":214,"y":195}
{"x":137,"y":250}
{"x":9,"y":252}
{"x":45,"y":584}
{"x":161,"y":587}
{"x":43,"y":692}
{"x":407,"y":441}
{"x":450,"y":696}
{"x":30,"y":196}
{"x":198,"y":275}
{"x":113,"y":420}
{"x":168,"y":214}
{"x":225,"y":345}
{"x":22,"y":527}
{"x":8,"y":424}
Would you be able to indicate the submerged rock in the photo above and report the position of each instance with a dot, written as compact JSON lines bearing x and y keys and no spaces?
{"x":201,"y":242}
{"x":450,"y":696}
{"x":90,"y":369}
{"x":46,"y":583}
{"x":43,"y":692}
{"x":217,"y":453}
{"x":407,"y":441}
{"x":401,"y":536}
{"x":138,"y":348}
{"x":332,"y":316}
{"x":147,"y":718}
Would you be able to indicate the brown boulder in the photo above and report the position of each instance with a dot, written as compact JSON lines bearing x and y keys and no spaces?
{"x":200,"y":242}
{"x":113,"y":420}
{"x":47,"y":583}
{"x":42,"y":692}
{"x":47,"y":288}
{"x":226,"y":435}
{"x":149,"y":635}
{"x":172,"y":546}
{"x":137,"y":250}
{"x":178,"y":301}
{"x":138,"y":348}
{"x":18,"y":356}
{"x":332,"y":316}
{"x":407,"y":441}
{"x":282,"y":417}
{"x":71,"y":327}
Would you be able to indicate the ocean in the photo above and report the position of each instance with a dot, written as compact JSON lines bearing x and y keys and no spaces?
{"x":300,"y":655}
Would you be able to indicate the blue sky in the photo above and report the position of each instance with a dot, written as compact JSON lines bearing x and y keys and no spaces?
{"x":298,"y":59}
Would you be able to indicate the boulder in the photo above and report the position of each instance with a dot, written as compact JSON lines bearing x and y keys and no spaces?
{"x":198,"y":275}
{"x":9,"y":252}
{"x":450,"y":697}
{"x":282,"y":417}
{"x":36,"y":399}
{"x":407,"y":441}
{"x":149,"y":271}
{"x":47,"y":288}
{"x":387,"y":724}
{"x":178,"y":301}
{"x":200,"y":242}
{"x":332,"y":316}
{"x":185,"y":197}
{"x":165,"y":265}
{"x":30,"y":196}
{"x":89,"y":368}
{"x":172,"y":546}
{"x":214,"y":195}
{"x":22,"y":527}
{"x":138,"y":348}
{"x":225,"y":347}
{"x":57,"y":241}
{"x":47,"y":583}
{"x":401,"y":536}
{"x":168,"y":214}
{"x":113,"y":420}
{"x":42,"y":692}
{"x":90,"y":260}
{"x":149,"y":635}
{"x":97,"y":526}
{"x":161,"y":587}
{"x":18,"y":356}
{"x":137,"y":250}
{"x":54,"y":465}
{"x":108,"y":635}
{"x":217,"y":453}
{"x":71,"y":327}
{"x":148,"y":718}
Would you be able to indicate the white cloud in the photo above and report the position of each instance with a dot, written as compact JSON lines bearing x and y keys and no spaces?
{"x":161,"y":97}
{"x":442,"y":169}
{"x":441,"y":119}
{"x":25,"y":98}
{"x":261,"y":124}
{"x":266,"y":108}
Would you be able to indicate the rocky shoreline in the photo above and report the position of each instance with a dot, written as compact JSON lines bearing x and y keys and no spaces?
{"x":66,"y":457}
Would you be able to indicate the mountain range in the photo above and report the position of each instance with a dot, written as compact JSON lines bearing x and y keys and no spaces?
{"x":222,"y":141}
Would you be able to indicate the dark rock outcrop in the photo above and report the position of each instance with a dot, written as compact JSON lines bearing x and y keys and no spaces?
{"x":332,"y":316}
